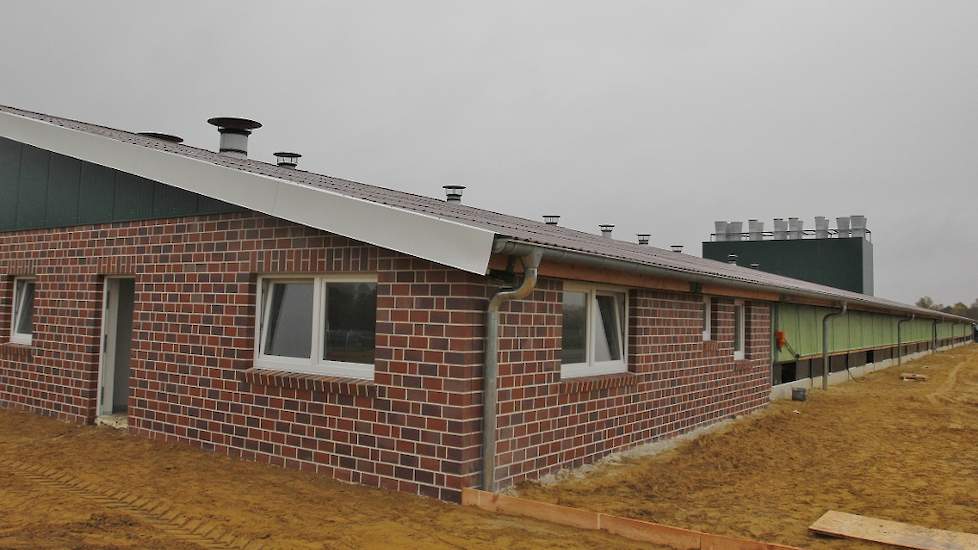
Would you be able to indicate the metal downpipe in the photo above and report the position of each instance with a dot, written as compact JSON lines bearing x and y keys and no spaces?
{"x":825,"y":343}
{"x":900,"y":338}
{"x":490,"y":393}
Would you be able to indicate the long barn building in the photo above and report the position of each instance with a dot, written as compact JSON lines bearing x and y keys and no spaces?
{"x":375,"y":336}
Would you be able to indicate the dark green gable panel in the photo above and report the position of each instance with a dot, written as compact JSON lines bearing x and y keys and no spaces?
{"x":133,"y":197}
{"x":32,"y":196}
{"x":95,"y":201}
{"x":9,"y":183}
{"x":63,"y":182}
{"x":40,"y":189}
{"x":171,"y":202}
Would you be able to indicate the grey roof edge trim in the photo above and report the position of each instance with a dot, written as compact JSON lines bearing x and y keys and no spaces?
{"x":443,"y":241}
{"x":509,"y":246}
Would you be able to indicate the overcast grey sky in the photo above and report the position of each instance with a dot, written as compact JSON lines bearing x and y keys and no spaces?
{"x":655,"y":116}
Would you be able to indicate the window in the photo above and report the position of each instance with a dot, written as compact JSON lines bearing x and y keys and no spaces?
{"x":707,"y":318}
{"x":738,"y":343}
{"x":22,"y":323}
{"x":322,"y":325}
{"x":594,"y":331}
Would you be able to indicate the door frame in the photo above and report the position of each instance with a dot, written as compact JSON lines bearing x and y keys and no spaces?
{"x":110,"y":317}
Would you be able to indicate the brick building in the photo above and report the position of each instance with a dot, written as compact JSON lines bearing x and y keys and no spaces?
{"x":286,"y":317}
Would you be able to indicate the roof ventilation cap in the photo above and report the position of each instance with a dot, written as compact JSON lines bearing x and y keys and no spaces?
{"x":676,"y":248}
{"x":453,"y":193}
{"x":551,"y":219}
{"x":606,"y":229}
{"x":163,"y":137}
{"x":286,"y":159}
{"x":643,"y":238}
{"x":732,"y":259}
{"x":234,"y":134}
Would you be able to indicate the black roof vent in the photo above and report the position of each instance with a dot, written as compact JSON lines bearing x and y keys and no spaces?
{"x":551,"y":219}
{"x":234,"y":134}
{"x":453,"y":193}
{"x":676,"y":248}
{"x":286,"y":159}
{"x":643,"y":238}
{"x":732,"y":259}
{"x":606,"y":229}
{"x":163,"y":137}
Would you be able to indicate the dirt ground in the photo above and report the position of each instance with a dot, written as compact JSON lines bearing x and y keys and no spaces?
{"x":66,"y":486}
{"x":882,"y":447}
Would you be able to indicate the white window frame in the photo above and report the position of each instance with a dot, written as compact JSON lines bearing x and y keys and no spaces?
{"x":315,"y":364}
{"x":17,"y":306}
{"x":707,"y":318}
{"x":592,"y":367}
{"x":740,"y":314}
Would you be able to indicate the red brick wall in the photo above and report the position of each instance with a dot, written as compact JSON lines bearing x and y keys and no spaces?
{"x":193,"y":338}
{"x":417,"y":427}
{"x":676,"y":381}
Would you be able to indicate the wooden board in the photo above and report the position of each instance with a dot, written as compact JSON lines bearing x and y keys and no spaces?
{"x":841,"y":524}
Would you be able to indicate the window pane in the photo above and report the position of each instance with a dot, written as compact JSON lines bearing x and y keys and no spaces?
{"x":608,"y":327}
{"x":739,"y":328}
{"x":288,"y":332}
{"x":574,"y":348}
{"x":25,"y":307}
{"x":351,"y":319}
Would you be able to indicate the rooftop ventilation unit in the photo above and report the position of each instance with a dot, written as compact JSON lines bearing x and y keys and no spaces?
{"x":732,"y":259}
{"x":643,"y":238}
{"x":756,"y":230}
{"x":606,"y":229}
{"x":286,"y":159}
{"x":234,"y":135}
{"x":676,"y":248}
{"x":842,"y":225}
{"x":821,"y":227}
{"x":796,"y":228}
{"x":858,"y":223}
{"x":735,"y":231}
{"x":163,"y":137}
{"x":780,"y":229}
{"x":720,"y":230}
{"x":453,"y":193}
{"x":551,"y":219}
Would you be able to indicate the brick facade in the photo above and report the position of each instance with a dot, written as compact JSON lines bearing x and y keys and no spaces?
{"x":676,"y":381}
{"x":416,"y":427}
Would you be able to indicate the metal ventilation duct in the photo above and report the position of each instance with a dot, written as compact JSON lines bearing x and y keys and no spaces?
{"x":234,"y":134}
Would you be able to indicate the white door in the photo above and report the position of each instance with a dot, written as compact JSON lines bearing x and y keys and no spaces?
{"x":117,"y":315}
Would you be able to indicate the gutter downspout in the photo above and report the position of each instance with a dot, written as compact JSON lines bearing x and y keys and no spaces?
{"x":933,"y":336}
{"x":900,"y":338}
{"x":825,"y":343}
{"x":490,"y":391}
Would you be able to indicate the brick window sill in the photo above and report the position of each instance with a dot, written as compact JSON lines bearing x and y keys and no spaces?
{"x":603,"y":382}
{"x":310,"y":382}
{"x":12,"y":351}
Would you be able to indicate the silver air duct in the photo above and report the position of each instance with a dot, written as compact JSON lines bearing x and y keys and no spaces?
{"x":234,"y":135}
{"x":780,"y":229}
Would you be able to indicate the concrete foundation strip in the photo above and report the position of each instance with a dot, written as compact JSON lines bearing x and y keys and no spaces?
{"x":155,"y":513}
{"x":643,"y":531}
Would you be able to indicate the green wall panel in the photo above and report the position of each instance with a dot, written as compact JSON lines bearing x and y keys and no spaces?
{"x":32,"y":193}
{"x":97,"y":194}
{"x":41,"y":189}
{"x":802,"y":326}
{"x":9,"y":182}
{"x":63,"y":187}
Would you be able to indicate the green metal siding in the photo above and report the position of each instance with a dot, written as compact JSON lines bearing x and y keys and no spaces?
{"x":839,"y":263}
{"x":41,"y":189}
{"x":802,"y":326}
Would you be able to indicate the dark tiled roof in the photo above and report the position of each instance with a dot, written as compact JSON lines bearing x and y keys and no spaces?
{"x":515,"y":228}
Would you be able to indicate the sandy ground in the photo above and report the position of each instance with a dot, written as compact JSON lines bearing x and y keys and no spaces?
{"x":271,"y":507}
{"x":904,"y":451}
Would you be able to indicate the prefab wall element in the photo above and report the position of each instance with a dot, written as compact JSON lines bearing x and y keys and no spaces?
{"x":856,"y":330}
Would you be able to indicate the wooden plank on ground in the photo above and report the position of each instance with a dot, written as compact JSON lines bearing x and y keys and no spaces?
{"x":634,"y":529}
{"x":906,"y":535}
